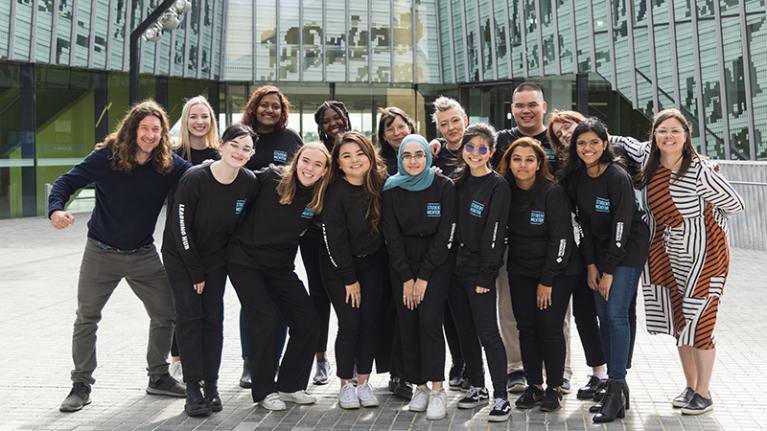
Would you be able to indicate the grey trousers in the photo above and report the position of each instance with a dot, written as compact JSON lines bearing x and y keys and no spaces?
{"x":100,"y":272}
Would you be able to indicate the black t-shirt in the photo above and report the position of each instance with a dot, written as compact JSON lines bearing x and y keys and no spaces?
{"x":199,"y":156}
{"x":447,"y":159}
{"x":389,"y":155}
{"x":506,"y":137}
{"x":274,"y":148}
{"x":202,"y":218}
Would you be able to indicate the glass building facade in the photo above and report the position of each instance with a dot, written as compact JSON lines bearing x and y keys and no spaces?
{"x":64,"y":64}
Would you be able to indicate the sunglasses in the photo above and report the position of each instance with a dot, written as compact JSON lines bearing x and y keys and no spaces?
{"x":482,"y":149}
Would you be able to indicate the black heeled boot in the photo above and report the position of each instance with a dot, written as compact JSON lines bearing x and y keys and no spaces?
{"x":214,"y":399}
{"x":613,"y":403}
{"x":245,"y":382}
{"x":596,"y":408}
{"x":196,"y":404}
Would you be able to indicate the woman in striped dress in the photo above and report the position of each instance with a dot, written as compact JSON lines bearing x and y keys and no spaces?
{"x":688,"y":203}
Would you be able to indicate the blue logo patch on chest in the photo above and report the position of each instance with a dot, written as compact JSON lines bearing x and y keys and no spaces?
{"x":308,"y":213}
{"x":239,"y":205}
{"x":280,"y":156}
{"x":537,"y":217}
{"x":602,"y":205}
{"x":476,"y":208}
{"x":433,"y":209}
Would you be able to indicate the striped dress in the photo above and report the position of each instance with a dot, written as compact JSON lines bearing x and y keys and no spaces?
{"x":689,"y":260}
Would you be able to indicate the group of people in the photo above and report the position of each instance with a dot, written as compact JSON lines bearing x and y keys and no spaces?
{"x":480,"y":237}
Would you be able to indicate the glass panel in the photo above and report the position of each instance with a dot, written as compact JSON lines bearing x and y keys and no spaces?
{"x":448,"y":58}
{"x":335,"y":38}
{"x":705,"y":8}
{"x":359,"y":42}
{"x":5,"y":27}
{"x":547,"y":27}
{"x":757,"y":41}
{"x":486,"y":40}
{"x":458,"y":42}
{"x":501,"y":50}
{"x":682,"y":9}
{"x":22,"y":33}
{"x":735,"y":85}
{"x":583,"y":25}
{"x":711,"y":95}
{"x":402,"y":21}
{"x":205,"y":48}
{"x":666,"y":74}
{"x":239,"y":44}
{"x":380,"y":40}
{"x":624,"y":74}
{"x":117,"y":37}
{"x":82,"y":34}
{"x":12,"y":140}
{"x":218,"y":44}
{"x":289,"y":37}
{"x":687,"y":81}
{"x":192,"y":62}
{"x":179,"y":36}
{"x":64,"y":31}
{"x":531,"y":31}
{"x":100,"y":28}
{"x":313,"y":35}
{"x":266,"y":58}
{"x":566,"y":34}
{"x":42,"y":32}
{"x":426,"y":43}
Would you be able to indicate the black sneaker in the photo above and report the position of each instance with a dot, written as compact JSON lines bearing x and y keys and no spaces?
{"x":587,"y":391}
{"x":465,"y":381}
{"x":517,"y":382}
{"x":196,"y":404}
{"x":474,"y":398}
{"x":78,"y":398}
{"x":214,"y":399}
{"x":565,"y":386}
{"x":684,"y":398}
{"x":552,"y":400}
{"x":501,"y":410}
{"x":166,"y":385}
{"x":455,"y":376}
{"x":531,"y":397}
{"x":698,"y":405}
{"x":403,"y":390}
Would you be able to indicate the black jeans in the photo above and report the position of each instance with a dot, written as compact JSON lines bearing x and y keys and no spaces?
{"x":541,"y":339}
{"x":311,"y":244}
{"x":477,"y":322}
{"x":585,"y":314}
{"x":357,"y":327}
{"x":451,"y":335}
{"x":199,"y":321}
{"x":270,"y":296}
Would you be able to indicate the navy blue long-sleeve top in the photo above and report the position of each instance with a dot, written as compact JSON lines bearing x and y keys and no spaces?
{"x":127,"y":203}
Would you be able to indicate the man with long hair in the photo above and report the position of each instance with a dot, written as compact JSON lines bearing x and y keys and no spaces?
{"x":133,"y":170}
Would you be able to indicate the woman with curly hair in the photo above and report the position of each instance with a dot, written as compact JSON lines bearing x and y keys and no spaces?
{"x":333,"y":121}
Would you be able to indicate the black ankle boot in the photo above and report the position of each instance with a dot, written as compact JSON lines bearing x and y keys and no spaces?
{"x":211,"y":394}
{"x":196,"y":404}
{"x":613,"y":403}
{"x":245,"y":378}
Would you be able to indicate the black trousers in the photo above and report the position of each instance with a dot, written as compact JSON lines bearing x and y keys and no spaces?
{"x":357,"y":327}
{"x":451,"y":335}
{"x":311,"y":244}
{"x":423,"y":345}
{"x":476,"y":319}
{"x":270,"y":296}
{"x":541,"y":339}
{"x":199,"y":321}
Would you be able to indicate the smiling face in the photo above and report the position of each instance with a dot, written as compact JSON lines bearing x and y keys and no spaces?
{"x":452,"y":125}
{"x":670,"y":137}
{"x":268,"y":113}
{"x":524,"y":166}
{"x":528,"y":109}
{"x":237,"y":152}
{"x":413,"y":158}
{"x":396,"y":131}
{"x":312,"y":166}
{"x":148,"y":137}
{"x":353,"y":162}
{"x":563,"y":130}
{"x":199,"y":121}
{"x":477,"y":153}
{"x":589,"y":147}
{"x":333,"y":124}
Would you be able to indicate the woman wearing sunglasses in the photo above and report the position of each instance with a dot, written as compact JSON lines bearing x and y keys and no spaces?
{"x":483,"y":210}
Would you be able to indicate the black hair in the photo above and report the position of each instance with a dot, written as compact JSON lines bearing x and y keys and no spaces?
{"x":573,"y":163}
{"x":337,"y":107}
{"x":483,"y":130}
{"x":528,"y":86}
{"x":236,"y":130}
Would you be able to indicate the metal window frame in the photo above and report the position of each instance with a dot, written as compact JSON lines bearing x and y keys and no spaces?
{"x":493,"y":38}
{"x":108,"y":62}
{"x":324,"y":39}
{"x":172,"y":54}
{"x":593,"y":38}
{"x":576,"y":64}
{"x":33,"y":35}
{"x":253,"y":33}
{"x":300,"y":56}
{"x":722,"y":83}
{"x":72,"y":33}
{"x":91,"y":35}
{"x":698,"y":80}
{"x":54,"y":33}
{"x":653,"y":57}
{"x":746,"y":55}
{"x":453,"y":70}
{"x":12,"y":31}
{"x":370,"y":44}
{"x":632,"y":52}
{"x":438,"y":17}
{"x":539,"y":34}
{"x":413,"y":41}
{"x":391,"y":41}
{"x":478,"y":43}
{"x":611,"y":45}
{"x":187,"y":30}
{"x":466,"y":73}
{"x":523,"y":36}
{"x":557,"y":58}
{"x":509,"y":56}
{"x":213,"y":27}
{"x":674,"y":54}
{"x":127,"y":24}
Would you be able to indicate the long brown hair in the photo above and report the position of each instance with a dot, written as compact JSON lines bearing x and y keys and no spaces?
{"x":289,"y":181}
{"x":688,"y":151}
{"x":211,"y":138}
{"x":558,"y":116}
{"x":374,"y":179}
{"x":504,"y":166}
{"x":123,"y":143}
{"x":249,"y":114}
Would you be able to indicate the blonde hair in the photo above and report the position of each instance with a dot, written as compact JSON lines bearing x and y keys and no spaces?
{"x":211,"y":138}
{"x":286,"y":188}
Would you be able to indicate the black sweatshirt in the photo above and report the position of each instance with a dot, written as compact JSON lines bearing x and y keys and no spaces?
{"x":199,"y":156}
{"x":506,"y":137}
{"x":345,"y":228}
{"x":447,"y":159}
{"x":274,"y":148}
{"x":541,"y":240}
{"x":613,"y":232}
{"x":483,"y":211}
{"x":389,"y":155}
{"x":269,"y":234}
{"x":127,"y":203}
{"x":202,"y":218}
{"x":428,"y":215}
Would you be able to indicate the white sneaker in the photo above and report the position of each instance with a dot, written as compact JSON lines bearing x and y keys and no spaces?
{"x":420,"y":399}
{"x":347,"y":398}
{"x":298,"y":397}
{"x":366,"y":396}
{"x":437,"y":405}
{"x":273,"y":402}
{"x":176,"y":371}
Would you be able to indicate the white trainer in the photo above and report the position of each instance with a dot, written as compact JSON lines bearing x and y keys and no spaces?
{"x":347,"y":398}
{"x":437,"y":405}
{"x":176,"y":371}
{"x":298,"y":397}
{"x":273,"y":402}
{"x":420,"y":399}
{"x":366,"y":396}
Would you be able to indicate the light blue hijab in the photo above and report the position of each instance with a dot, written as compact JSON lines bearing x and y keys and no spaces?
{"x":409,"y":182}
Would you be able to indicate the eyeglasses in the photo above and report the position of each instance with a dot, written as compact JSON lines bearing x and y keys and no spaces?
{"x":417,"y":157}
{"x":482,"y":149}
{"x":672,"y":132}
{"x":246,"y":149}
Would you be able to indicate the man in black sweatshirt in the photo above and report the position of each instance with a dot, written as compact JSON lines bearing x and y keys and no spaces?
{"x":133,"y":171}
